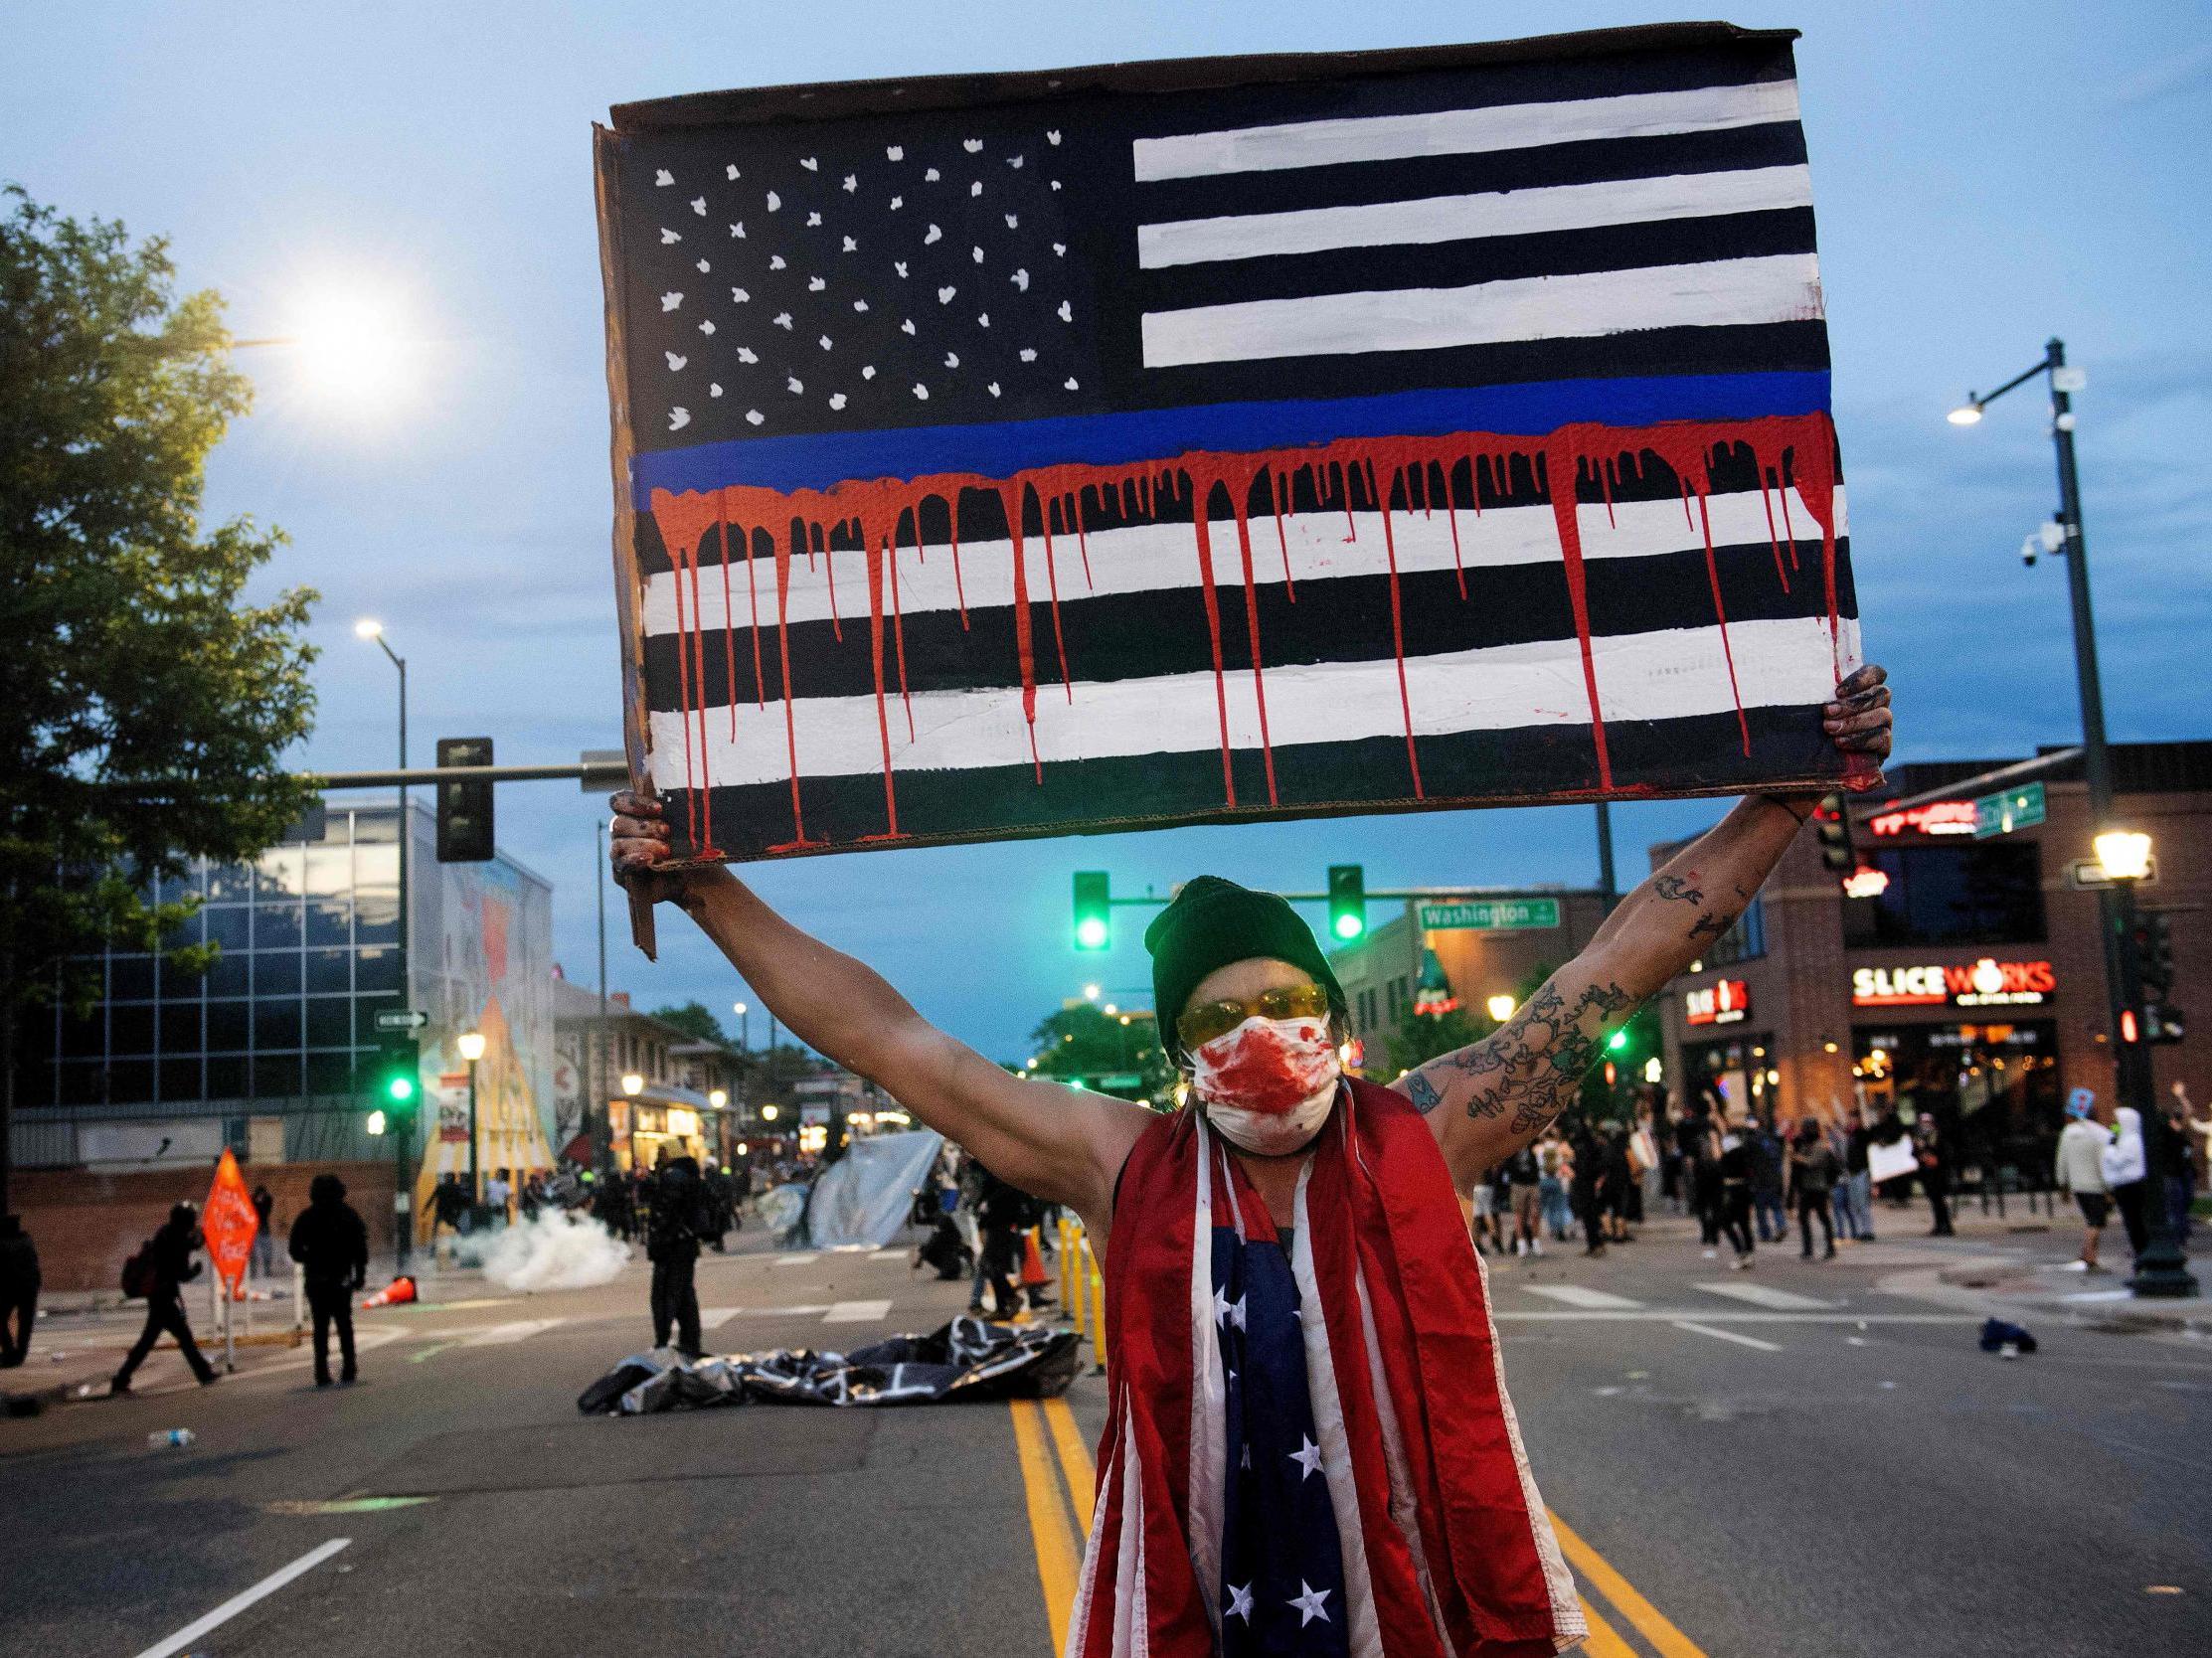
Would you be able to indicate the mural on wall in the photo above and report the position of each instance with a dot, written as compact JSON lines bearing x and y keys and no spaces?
{"x":483,"y":961}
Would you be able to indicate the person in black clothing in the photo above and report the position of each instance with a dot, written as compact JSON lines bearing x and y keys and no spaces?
{"x":19,"y":1291}
{"x":1811,"y":1175}
{"x":1587,"y":1194}
{"x":1737,"y":1168}
{"x":679,"y":1219}
{"x":1934,"y":1156}
{"x":332,"y":1247}
{"x":265,"y":1246}
{"x":722,"y":1204}
{"x":1003,"y":1211}
{"x":172,"y":1267}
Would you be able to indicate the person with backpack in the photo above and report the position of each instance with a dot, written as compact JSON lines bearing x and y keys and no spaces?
{"x":158,"y":1272}
{"x":679,"y":1219}
{"x":331,"y":1245}
{"x":19,"y":1291}
{"x":1811,"y":1178}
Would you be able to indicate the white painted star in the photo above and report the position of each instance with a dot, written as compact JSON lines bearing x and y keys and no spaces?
{"x":814,"y":220}
{"x":663,"y":177}
{"x":868,"y":372}
{"x":731,"y":170}
{"x":738,"y":296}
{"x":852,"y":183}
{"x":920,"y":390}
{"x":1307,"y":1457}
{"x":775,"y":201}
{"x":753,"y":416}
{"x":783,"y":320}
{"x":850,"y":246}
{"x":860,"y":304}
{"x":699,"y":205}
{"x":931,"y":236}
{"x":976,"y":189}
{"x":825,"y":342}
{"x":815,"y":284}
{"x":1066,"y":314}
{"x":1239,"y":1602}
{"x":1020,"y":279}
{"x":706,"y":325}
{"x":897,"y":153}
{"x":1052,"y":138}
{"x":738,"y":229}
{"x":1308,"y":1603}
{"x":714,"y":387}
{"x":931,"y":176}
{"x":776,"y":262}
{"x":667,"y":236}
{"x":812,"y":164}
{"x":898,"y":202}
{"x":792,"y":384}
{"x":746,"y":355}
{"x":675,"y":362}
{"x":669,"y":301}
{"x":678,"y":419}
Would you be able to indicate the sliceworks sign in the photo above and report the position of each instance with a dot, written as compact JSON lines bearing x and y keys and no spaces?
{"x":1987,"y":983}
{"x":1725,"y":1002}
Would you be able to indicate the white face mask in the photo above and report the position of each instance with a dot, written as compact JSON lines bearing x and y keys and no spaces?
{"x":1267,"y":1084}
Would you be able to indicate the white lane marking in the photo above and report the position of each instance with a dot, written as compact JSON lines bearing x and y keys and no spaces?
{"x":1576,"y":1295}
{"x":1764,"y":1295}
{"x":714,"y":1318}
{"x":889,"y":1255}
{"x":800,"y":1260}
{"x":857,"y":1312}
{"x":1725,"y":1335}
{"x":238,"y":1602}
{"x":521,"y":1329}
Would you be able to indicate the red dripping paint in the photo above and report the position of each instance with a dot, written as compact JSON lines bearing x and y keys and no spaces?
{"x":684,"y":701}
{"x":1773,"y":541}
{"x":1082,"y":538}
{"x":1199,"y":505}
{"x":1562,"y":463}
{"x":1452,"y":517}
{"x":1720,"y":615}
{"x":1045,"y":506}
{"x":729,"y":627}
{"x":960,"y":586}
{"x":1278,"y":497}
{"x":790,"y":722}
{"x":1011,"y":495}
{"x":1397,"y":624}
{"x":899,"y":629}
{"x":1344,"y":479}
{"x":1239,"y":489}
{"x":875,"y":654}
{"x":1604,"y":477}
{"x":752,"y":597}
{"x":830,"y":561}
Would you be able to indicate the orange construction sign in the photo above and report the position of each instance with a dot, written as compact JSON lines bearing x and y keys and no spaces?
{"x":230,"y":1222}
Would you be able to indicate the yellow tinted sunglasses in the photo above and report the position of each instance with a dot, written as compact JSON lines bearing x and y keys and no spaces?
{"x":1201,"y":1024}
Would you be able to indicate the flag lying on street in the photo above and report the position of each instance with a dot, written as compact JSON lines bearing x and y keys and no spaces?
{"x":1185,"y":442}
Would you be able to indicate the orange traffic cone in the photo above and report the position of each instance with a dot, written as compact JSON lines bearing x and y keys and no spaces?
{"x":398,"y":1293}
{"x":1033,"y":1263}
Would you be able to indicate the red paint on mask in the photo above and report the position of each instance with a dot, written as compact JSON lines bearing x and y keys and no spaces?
{"x":1259,"y":1067}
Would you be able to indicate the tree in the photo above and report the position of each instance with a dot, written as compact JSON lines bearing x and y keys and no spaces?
{"x":695,"y":1020}
{"x":1086,"y":1042}
{"x":143,"y":706}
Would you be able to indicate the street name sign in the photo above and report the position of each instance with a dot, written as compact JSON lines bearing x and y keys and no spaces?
{"x":2007,"y":810}
{"x":1490,"y":915}
{"x":2088,"y":875}
{"x":402,"y":1019}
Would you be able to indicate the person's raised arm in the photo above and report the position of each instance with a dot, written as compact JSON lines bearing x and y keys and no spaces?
{"x":1059,"y":1143}
{"x":1488,"y":1099}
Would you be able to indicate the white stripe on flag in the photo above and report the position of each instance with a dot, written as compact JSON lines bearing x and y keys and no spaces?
{"x":1666,"y":674}
{"x":1566,"y":207}
{"x":1780,"y":288}
{"x":1505,"y":126}
{"x":1162,"y":558}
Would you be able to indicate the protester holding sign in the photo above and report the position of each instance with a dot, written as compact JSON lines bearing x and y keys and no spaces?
{"x":1286,"y":1187}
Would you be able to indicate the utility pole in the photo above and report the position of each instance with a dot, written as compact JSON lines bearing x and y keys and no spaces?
{"x":596,"y":1108}
{"x":1609,"y":885}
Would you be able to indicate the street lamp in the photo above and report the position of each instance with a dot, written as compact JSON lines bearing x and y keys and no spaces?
{"x":472,"y":1046}
{"x":2124,"y":853}
{"x":1500,"y":1008}
{"x":403,"y":1144}
{"x":2162,"y":1269}
{"x":1090,"y":993}
{"x":633,"y":1083}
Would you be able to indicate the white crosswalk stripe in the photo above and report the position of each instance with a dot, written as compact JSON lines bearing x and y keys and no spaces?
{"x":1578,"y":1295}
{"x":1726,"y":1335}
{"x":714,"y":1318}
{"x":800,"y":1260}
{"x":1764,"y":1295}
{"x":857,"y":1312}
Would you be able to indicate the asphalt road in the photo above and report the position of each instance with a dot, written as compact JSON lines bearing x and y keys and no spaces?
{"x":1797,"y":1459}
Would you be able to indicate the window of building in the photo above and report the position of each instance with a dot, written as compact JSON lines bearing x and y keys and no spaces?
{"x":1990,"y":892}
{"x":1744,"y":941}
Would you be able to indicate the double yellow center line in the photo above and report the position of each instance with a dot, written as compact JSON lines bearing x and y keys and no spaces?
{"x":1060,"y":1485}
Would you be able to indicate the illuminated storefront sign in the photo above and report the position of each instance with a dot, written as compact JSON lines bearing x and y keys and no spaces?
{"x":1725,"y":1002}
{"x":1866,"y":882}
{"x":1935,"y":817}
{"x":1986,"y":983}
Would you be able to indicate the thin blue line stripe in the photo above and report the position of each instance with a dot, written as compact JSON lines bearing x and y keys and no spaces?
{"x":999,"y":450}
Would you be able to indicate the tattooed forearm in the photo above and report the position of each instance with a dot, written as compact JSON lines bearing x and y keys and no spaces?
{"x":1712,"y":923}
{"x":1674,"y":888}
{"x":1533,"y":1065}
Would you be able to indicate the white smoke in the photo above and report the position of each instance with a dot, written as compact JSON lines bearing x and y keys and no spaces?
{"x":554,"y":1250}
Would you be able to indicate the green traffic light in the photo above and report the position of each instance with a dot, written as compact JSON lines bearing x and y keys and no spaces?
{"x":1618,"y":1041}
{"x":1091,"y":933}
{"x":401,"y":1088}
{"x":1350,"y":926}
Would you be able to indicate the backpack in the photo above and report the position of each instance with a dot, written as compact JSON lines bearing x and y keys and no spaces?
{"x":138,"y":1272}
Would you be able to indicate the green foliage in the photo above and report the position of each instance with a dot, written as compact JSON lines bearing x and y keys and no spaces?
{"x":1427,"y":1036}
{"x":1087,"y":1041}
{"x":695,"y":1020}
{"x":143,"y":706}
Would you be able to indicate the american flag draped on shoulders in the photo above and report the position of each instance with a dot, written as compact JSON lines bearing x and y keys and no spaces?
{"x":1184,"y":442}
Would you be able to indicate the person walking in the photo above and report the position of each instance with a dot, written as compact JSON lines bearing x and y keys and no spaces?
{"x":1525,"y":1177}
{"x":1587,"y":1186}
{"x":679,"y":1219}
{"x":1811,"y":1178}
{"x":1001,"y":1211}
{"x":1619,"y":1183}
{"x":2126,"y":1171}
{"x":1701,"y":1172}
{"x":721,"y":1207}
{"x":1737,"y":1171}
{"x":2080,"y":1171}
{"x":1853,"y":1197}
{"x":331,"y":1245}
{"x":1554,"y":1168}
{"x":1770,"y":1215}
{"x":264,"y":1233}
{"x":19,"y":1291}
{"x":169,"y":1267}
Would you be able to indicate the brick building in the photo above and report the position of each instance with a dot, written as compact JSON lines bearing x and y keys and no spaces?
{"x":1960,"y":975}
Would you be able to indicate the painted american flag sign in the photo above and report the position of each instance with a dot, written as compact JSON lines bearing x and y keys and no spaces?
{"x":1186,"y":441}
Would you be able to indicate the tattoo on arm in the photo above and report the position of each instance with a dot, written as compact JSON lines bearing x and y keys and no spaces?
{"x":1422,"y":1093}
{"x":1674,"y":888}
{"x":1712,"y":923}
{"x":1538,"y":1057}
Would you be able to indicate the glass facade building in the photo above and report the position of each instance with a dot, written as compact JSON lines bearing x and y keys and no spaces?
{"x":282,"y":1028}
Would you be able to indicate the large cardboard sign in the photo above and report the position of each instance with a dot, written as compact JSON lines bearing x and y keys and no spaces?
{"x":1186,"y":441}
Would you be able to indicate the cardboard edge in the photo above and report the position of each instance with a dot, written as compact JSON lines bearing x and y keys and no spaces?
{"x":628,"y":581}
{"x":836,"y":99}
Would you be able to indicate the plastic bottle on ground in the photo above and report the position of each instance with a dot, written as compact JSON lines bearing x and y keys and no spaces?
{"x":178,"y":1437}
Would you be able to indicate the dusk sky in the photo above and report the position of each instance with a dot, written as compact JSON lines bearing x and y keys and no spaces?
{"x":1979,"y":187}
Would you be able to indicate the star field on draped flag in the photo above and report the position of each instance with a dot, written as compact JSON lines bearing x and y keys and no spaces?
{"x":1159,"y":448}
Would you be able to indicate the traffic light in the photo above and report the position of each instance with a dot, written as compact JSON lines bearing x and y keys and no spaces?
{"x":1618,"y":1041}
{"x":464,"y":824}
{"x":2154,"y":954}
{"x":1834,"y":824}
{"x":397,"y":1080}
{"x":1093,"y":914}
{"x":1347,"y":901}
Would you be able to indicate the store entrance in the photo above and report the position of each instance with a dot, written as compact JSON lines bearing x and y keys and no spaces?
{"x":1735,"y":1076}
{"x":1992,"y":1088}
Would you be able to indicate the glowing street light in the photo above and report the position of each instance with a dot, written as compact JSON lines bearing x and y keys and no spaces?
{"x":1500,"y":1008}
{"x":2124,"y":853}
{"x":633,"y":1082}
{"x":768,"y":1113}
{"x":1965,"y":414}
{"x":718,"y":1098}
{"x":368,"y":627}
{"x":471,"y":1045}
{"x":1090,"y":993}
